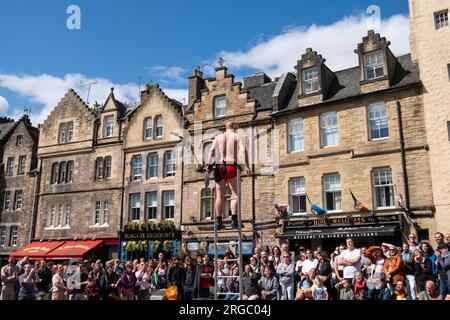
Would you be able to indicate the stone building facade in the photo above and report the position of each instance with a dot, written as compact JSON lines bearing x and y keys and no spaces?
{"x":153,"y":163}
{"x":81,"y":171}
{"x":17,"y":183}
{"x":429,"y":38}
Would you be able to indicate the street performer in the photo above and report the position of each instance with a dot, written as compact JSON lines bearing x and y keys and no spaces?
{"x":226,"y":153}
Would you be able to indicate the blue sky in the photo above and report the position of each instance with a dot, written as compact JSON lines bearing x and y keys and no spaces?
{"x":120,"y":41}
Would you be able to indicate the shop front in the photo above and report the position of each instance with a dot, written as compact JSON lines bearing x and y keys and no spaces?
{"x":331,"y":232}
{"x":142,"y":241}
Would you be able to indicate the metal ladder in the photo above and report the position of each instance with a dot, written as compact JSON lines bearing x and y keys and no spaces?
{"x":239,"y":258}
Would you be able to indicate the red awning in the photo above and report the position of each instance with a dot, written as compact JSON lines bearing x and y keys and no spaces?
{"x":73,"y":249}
{"x":37,"y":250}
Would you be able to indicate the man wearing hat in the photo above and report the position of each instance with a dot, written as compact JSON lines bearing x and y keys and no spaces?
{"x":443,"y":266}
{"x":9,"y":276}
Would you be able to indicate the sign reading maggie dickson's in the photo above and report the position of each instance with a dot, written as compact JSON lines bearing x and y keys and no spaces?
{"x":150,"y":235}
{"x":344,"y":221}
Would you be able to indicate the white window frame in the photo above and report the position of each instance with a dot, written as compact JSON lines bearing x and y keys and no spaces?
{"x":51,"y":216}
{"x":21,"y":165}
{"x":105,"y":211}
{"x":69,"y":131}
{"x":329,"y":128}
{"x":97,"y":212}
{"x":137,"y":170}
{"x":10,"y":166}
{"x":108,"y":167}
{"x":151,"y":166}
{"x":168,"y":203}
{"x":59,"y":220}
{"x":151,"y":203}
{"x":441,"y":19}
{"x":159,"y":124}
{"x":296,"y":131}
{"x":204,"y":198}
{"x":3,"y":236}
{"x":297,"y":191}
{"x":62,"y":176}
{"x":109,"y":126}
{"x":382,"y":178}
{"x":99,"y":167}
{"x":62,"y":133}
{"x":337,"y":192}
{"x":373,"y":61}
{"x":170,"y":163}
{"x":148,"y":128}
{"x":67,"y":210}
{"x":137,"y":207}
{"x":18,"y":195}
{"x":220,"y":106}
{"x":14,"y":236}
{"x":310,"y":80}
{"x":7,"y":200}
{"x":378,"y":118}
{"x":70,"y":169}
{"x":19,"y":141}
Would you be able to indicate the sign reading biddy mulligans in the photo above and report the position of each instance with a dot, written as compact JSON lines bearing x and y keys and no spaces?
{"x":150,"y":235}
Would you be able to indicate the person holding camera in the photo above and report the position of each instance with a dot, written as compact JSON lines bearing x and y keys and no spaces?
{"x":27,"y":282}
{"x":423,"y":269}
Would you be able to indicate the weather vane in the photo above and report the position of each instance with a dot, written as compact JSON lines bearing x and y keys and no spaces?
{"x":27,"y":111}
{"x":221,"y":61}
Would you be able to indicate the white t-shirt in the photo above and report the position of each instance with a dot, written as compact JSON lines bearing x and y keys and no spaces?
{"x":349,"y":271}
{"x":309,"y":264}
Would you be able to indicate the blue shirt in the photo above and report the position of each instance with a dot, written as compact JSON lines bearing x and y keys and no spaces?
{"x":27,"y":291}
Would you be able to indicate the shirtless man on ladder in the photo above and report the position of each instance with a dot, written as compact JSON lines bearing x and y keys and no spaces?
{"x":226,"y":152}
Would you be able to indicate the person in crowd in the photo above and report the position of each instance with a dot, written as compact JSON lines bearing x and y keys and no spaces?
{"x":382,"y":291}
{"x":143,"y":282}
{"x":365,"y":261}
{"x":93,"y":287}
{"x":127,"y":283}
{"x":27,"y":282}
{"x":275,"y":258}
{"x":78,"y":293}
{"x":376,"y":269}
{"x":254,"y":265}
{"x":409,"y":270}
{"x":447,"y":238}
{"x":323,"y":270}
{"x":265,"y":262}
{"x":108,"y":284}
{"x":300,"y":260}
{"x":400,"y":291}
{"x":430,"y":292}
{"x":359,"y":287}
{"x":136,"y":265}
{"x":175,"y":276}
{"x":9,"y":280}
{"x":250,"y":284}
{"x":205,"y":272}
{"x":59,"y":289}
{"x":428,"y":252}
{"x":222,"y":270}
{"x":285,"y":273}
{"x":285,"y":248}
{"x":233,"y":284}
{"x":162,"y":257}
{"x":423,"y":269}
{"x":337,"y":267}
{"x":188,"y":280}
{"x":257,"y":253}
{"x":443,"y":266}
{"x":439,"y":238}
{"x":393,"y":266}
{"x":351,"y":260}
{"x":161,"y":274}
{"x":413,"y":243}
{"x":304,"y":287}
{"x":345,"y":290}
{"x":319,"y":291}
{"x":43,"y":287}
{"x":268,"y":284}
{"x":228,"y":257}
{"x":22,"y":262}
{"x":310,"y":262}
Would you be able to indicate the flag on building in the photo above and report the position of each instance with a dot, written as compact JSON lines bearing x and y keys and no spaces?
{"x":283,"y":211}
{"x":400,"y":200}
{"x":358,"y":205}
{"x":315,"y":208}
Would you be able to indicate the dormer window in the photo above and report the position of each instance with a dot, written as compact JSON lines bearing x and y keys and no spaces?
{"x":148,"y":128}
{"x":310,"y":80}
{"x":65,"y":132}
{"x":159,"y":126}
{"x":109,"y":126}
{"x":19,"y":141}
{"x":220,"y":106}
{"x":374,"y":65}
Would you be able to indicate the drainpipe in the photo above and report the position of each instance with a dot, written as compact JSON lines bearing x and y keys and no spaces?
{"x":253,"y":188}
{"x":402,"y":152}
{"x":37,"y":175}
{"x":122,"y":203}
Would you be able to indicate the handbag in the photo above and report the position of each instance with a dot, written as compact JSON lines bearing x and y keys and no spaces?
{"x":172,"y":293}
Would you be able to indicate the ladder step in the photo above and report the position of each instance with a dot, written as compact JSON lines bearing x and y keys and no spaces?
{"x":227,"y":277}
{"x":225,"y":293}
{"x":228,"y":260}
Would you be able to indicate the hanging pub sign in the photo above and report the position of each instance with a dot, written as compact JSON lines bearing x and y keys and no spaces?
{"x":150,"y":235}
{"x":344,"y":221}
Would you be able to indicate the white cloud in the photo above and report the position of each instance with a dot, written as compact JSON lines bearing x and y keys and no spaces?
{"x":3,"y":106}
{"x":336,"y":42}
{"x":166,"y":74}
{"x":47,"y":90}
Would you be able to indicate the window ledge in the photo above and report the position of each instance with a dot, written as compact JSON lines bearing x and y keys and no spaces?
{"x":379,"y":139}
{"x":57,"y":228}
{"x":335,"y":211}
{"x":99,"y":226}
{"x":294,"y":152}
{"x":299,"y":214}
{"x":385,"y":208}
